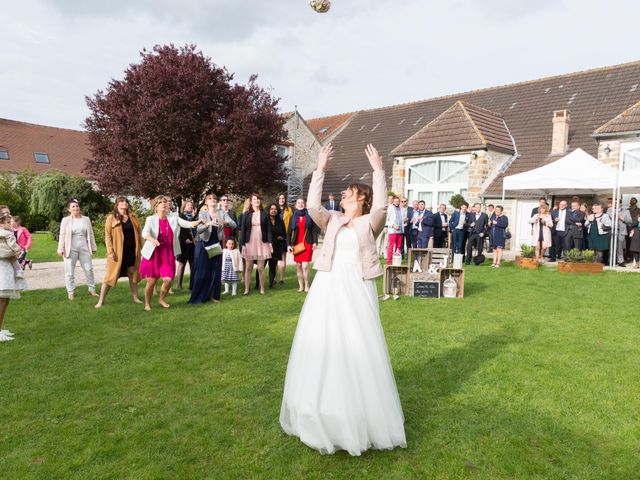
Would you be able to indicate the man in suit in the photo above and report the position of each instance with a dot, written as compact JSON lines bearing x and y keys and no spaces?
{"x":477,"y":231}
{"x":332,"y":203}
{"x":460,"y":220}
{"x":416,"y":218}
{"x":559,"y":230}
{"x":575,"y":221}
{"x":440,"y":226}
{"x":407,"y":211}
{"x":425,"y":227}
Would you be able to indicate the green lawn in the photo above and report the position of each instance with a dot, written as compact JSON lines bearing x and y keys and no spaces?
{"x":44,"y":249}
{"x":533,"y":375}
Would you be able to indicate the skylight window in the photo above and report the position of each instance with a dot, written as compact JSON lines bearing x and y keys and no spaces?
{"x":41,"y":157}
{"x":324,"y":130}
{"x":377,"y":125}
{"x":401,"y":121}
{"x":418,"y":120}
{"x":4,"y":154}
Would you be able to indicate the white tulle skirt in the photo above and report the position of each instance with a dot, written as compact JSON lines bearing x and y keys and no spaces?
{"x":340,"y":393}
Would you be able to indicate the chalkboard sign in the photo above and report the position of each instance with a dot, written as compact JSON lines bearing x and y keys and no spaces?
{"x":426,"y":289}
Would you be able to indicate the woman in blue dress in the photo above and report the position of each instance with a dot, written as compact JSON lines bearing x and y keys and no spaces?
{"x":207,"y":271}
{"x":498,"y":226}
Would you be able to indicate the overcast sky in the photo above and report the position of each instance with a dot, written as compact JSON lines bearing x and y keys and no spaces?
{"x":362,"y":54}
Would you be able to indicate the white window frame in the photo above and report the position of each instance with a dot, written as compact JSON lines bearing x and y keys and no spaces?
{"x":414,"y":189}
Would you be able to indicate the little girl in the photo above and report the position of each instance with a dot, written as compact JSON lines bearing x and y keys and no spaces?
{"x":23,"y":237}
{"x":231,"y":265}
{"x":9,"y":248}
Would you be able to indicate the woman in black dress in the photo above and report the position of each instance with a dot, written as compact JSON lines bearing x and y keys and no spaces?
{"x":278,"y":241}
{"x":187,"y":239}
{"x":123,"y":242}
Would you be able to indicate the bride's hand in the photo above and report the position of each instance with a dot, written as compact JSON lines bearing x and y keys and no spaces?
{"x":324,"y":156}
{"x":374,"y":157}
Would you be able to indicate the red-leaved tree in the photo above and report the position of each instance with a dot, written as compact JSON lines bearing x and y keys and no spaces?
{"x":176,"y":125}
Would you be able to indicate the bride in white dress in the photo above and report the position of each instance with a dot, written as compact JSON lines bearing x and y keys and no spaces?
{"x":339,"y":392}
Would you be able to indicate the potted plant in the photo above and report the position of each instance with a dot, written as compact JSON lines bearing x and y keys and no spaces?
{"x":577,"y":261}
{"x":527,"y":259}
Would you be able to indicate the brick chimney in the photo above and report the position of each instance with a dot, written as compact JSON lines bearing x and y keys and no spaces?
{"x":560,"y":136}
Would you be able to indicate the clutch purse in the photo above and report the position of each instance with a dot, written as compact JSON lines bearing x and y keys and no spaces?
{"x":214,"y":250}
{"x":299,"y":248}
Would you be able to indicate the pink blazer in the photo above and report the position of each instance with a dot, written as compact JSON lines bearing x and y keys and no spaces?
{"x":367,"y":227}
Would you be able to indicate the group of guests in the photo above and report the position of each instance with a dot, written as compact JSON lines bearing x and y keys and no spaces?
{"x":219,"y":246}
{"x":416,"y":226}
{"x":561,"y":229}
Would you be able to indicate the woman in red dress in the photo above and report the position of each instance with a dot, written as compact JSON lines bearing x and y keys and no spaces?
{"x":303,"y":237}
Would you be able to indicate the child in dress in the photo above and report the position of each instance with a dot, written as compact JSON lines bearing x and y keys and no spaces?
{"x":9,"y":248}
{"x":23,"y":237}
{"x":231,"y":265}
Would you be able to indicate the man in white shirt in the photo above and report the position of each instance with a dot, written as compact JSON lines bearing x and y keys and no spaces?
{"x":559,"y":231}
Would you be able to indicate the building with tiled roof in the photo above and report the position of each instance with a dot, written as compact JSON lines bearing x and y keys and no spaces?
{"x":326,"y":128}
{"x":38,"y":148}
{"x":466,"y":143}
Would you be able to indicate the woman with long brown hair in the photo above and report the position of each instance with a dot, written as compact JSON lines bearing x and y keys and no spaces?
{"x":123,"y":241}
{"x":255,"y":241}
{"x":339,"y":390}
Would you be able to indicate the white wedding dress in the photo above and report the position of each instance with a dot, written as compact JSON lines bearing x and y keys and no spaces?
{"x":339,"y":392}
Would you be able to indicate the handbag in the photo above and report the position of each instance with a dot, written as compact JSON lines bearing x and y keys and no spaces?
{"x":299,"y":248}
{"x":214,"y":250}
{"x":507,"y":233}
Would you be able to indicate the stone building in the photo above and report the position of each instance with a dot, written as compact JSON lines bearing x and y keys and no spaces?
{"x":466,"y":143}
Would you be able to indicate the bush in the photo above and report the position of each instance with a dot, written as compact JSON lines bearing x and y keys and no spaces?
{"x":98,"y":228}
{"x":456,"y":201}
{"x":527,"y":251}
{"x":589,"y":256}
{"x":573,"y":256}
{"x":54,"y":230}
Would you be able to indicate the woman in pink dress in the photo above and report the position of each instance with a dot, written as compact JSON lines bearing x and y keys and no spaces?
{"x":161,"y":232}
{"x":302,"y":231}
{"x":255,"y":241}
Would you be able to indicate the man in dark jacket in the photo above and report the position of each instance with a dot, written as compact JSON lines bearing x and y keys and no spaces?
{"x":477,"y":231}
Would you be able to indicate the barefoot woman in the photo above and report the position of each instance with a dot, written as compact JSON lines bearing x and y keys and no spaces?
{"x":339,"y":392}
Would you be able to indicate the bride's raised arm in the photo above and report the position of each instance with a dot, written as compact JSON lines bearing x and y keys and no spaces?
{"x":378,"y":214}
{"x":318,"y":213}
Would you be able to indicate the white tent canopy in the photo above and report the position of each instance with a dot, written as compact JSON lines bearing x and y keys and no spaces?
{"x":574,"y":174}
{"x":630,"y":181}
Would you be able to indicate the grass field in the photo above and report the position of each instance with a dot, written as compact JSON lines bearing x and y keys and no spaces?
{"x":44,"y":249}
{"x":533,"y":375}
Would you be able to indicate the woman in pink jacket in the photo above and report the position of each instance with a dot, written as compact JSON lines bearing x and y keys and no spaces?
{"x":340,"y":392}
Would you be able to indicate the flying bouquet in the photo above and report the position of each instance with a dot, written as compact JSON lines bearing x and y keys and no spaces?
{"x":320,"y":6}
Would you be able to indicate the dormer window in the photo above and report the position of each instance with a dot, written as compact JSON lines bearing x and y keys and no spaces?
{"x":41,"y":157}
{"x":4,"y":154}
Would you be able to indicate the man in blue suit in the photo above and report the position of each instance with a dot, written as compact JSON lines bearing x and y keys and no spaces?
{"x":332,"y":203}
{"x":460,"y":221}
{"x":425,"y":227}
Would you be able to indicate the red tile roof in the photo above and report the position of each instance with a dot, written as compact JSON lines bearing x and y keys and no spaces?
{"x":324,"y":127}
{"x":593,"y":97}
{"x":462,"y":127}
{"x":67,"y":149}
{"x":627,"y":121}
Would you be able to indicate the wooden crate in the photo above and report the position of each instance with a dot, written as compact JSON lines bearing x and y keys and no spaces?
{"x":390,"y":272}
{"x":458,"y":275}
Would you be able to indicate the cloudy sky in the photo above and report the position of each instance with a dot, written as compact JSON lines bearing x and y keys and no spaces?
{"x":362,"y":54}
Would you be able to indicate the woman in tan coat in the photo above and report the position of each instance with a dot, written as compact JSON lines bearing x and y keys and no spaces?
{"x":541,"y":232}
{"x":123,"y":242}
